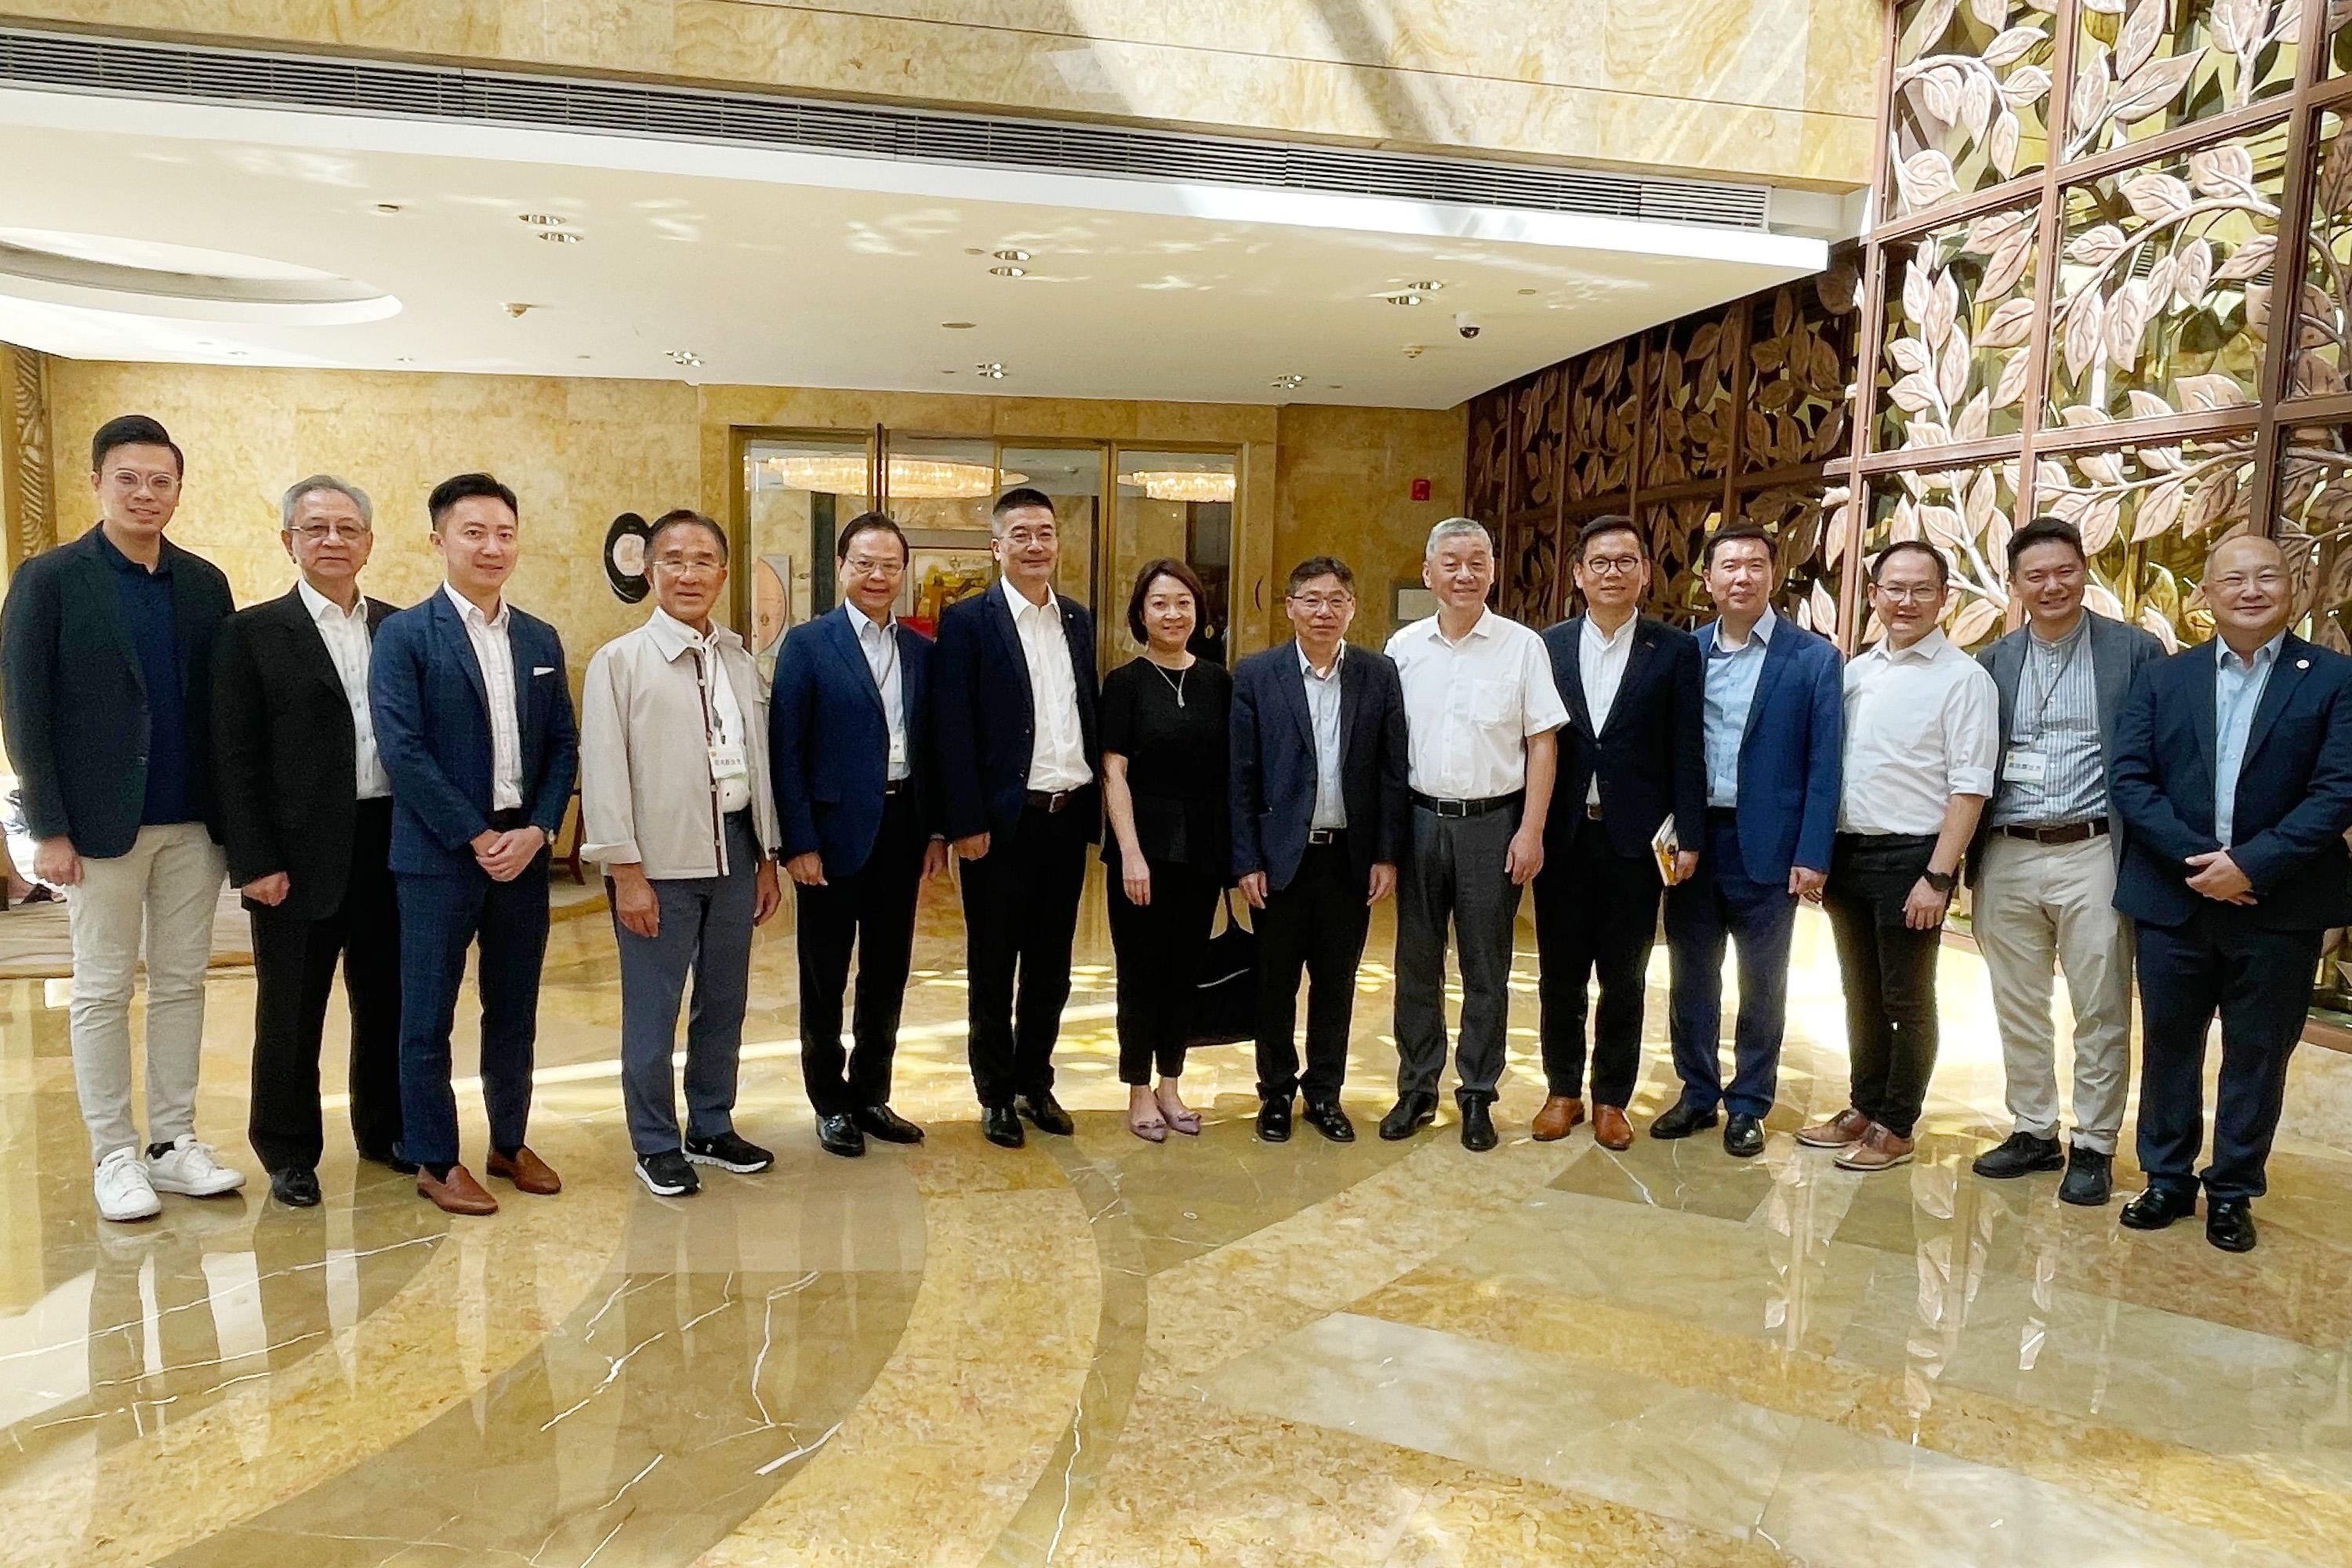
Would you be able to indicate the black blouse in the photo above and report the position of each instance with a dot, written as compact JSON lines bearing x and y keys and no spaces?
{"x":1176,"y":755}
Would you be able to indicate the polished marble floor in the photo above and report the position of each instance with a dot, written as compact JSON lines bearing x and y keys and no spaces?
{"x":1214,"y":1352}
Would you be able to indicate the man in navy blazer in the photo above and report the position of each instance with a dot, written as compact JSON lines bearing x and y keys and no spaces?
{"x":850,"y":754}
{"x":2234,"y":770}
{"x":474,"y":724}
{"x":1013,"y":688}
{"x":1774,"y":727}
{"x":1632,"y":757}
{"x":1319,"y":803}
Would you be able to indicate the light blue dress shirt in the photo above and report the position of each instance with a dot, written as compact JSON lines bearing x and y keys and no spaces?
{"x":1731,"y":677}
{"x":1323,"y":708}
{"x":2237,"y":693}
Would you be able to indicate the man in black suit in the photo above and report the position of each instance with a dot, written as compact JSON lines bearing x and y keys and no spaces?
{"x":1318,"y":803}
{"x":1014,"y":680}
{"x":2232,"y":769}
{"x":1636,"y":754}
{"x":306,"y":808}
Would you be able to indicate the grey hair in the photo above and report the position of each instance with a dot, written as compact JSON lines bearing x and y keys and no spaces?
{"x":327,"y":483}
{"x":1457,"y":528}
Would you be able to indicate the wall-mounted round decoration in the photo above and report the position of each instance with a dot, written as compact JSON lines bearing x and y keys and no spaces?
{"x":624,"y":557}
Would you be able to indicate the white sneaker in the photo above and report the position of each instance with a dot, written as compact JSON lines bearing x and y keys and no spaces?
{"x":124,"y":1193}
{"x":188,"y":1167}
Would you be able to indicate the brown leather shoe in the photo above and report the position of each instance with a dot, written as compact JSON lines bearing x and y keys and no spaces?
{"x":1878,"y":1150}
{"x":527,"y":1172}
{"x":1842,"y":1131}
{"x":1610,"y":1128}
{"x":459,"y":1194}
{"x":1559,"y":1113}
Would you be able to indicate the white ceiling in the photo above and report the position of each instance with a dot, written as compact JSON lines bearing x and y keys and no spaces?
{"x":803,"y":270}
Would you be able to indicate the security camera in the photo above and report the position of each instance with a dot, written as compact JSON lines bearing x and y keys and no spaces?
{"x":1465,"y":323}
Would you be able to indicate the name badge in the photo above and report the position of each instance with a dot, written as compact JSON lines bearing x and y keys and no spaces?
{"x":2026,"y":767}
{"x":728,"y":761}
{"x":898,"y":753}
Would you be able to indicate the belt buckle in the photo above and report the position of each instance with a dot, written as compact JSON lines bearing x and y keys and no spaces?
{"x":1056,"y":801}
{"x":1591,"y":811}
{"x":1321,"y":834}
{"x":1459,"y":808}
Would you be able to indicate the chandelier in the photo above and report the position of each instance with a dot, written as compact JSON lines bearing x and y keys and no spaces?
{"x":910,"y":478}
{"x":1181,"y":484}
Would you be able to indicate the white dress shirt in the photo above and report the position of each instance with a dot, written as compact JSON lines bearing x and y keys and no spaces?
{"x":723,"y":712}
{"x":1057,"y":754}
{"x":1600,"y":665}
{"x":879,"y":641}
{"x":1471,"y":705}
{"x":495,"y":653}
{"x":346,"y":636}
{"x":1921,"y":726}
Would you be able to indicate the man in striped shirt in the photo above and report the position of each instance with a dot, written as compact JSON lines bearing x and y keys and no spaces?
{"x":2043,"y":866}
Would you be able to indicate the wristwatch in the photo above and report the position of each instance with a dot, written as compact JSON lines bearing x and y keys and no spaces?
{"x":1942,"y":881}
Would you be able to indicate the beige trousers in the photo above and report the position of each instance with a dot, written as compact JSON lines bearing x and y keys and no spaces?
{"x":2041,"y":909}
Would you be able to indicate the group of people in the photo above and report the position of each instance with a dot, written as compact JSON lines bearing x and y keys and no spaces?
{"x":384,"y":787}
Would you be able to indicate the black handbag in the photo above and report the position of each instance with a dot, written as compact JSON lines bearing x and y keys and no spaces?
{"x":1224,"y":1000}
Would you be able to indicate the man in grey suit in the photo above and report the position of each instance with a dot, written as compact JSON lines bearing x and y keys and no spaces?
{"x":2044,"y":863}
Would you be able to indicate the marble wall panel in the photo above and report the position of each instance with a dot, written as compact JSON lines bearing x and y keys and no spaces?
{"x":1346,"y":489}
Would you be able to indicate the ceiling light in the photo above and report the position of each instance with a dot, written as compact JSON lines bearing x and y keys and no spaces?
{"x":1430,"y":287}
{"x":912,"y":478}
{"x":958,"y":326}
{"x":1181,"y":484}
{"x":387,"y":208}
{"x":1403,"y":298}
{"x":1526,"y":290}
{"x":684,"y":357}
{"x":559,"y":237}
{"x":1011,"y":255}
{"x":541,"y":220}
{"x":1009,"y":271}
{"x":990,"y":365}
{"x":993,"y":374}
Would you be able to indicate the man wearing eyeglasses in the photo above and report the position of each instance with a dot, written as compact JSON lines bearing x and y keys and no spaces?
{"x":850,"y":756}
{"x":306,"y":810}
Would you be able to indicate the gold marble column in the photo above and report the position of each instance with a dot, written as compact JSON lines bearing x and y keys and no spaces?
{"x":26,"y":514}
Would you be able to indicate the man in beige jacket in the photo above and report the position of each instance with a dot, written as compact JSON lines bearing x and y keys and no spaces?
{"x":675,"y":803}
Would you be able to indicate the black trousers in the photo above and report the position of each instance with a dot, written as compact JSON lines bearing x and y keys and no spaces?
{"x":1160,"y":947}
{"x":2260,"y":983}
{"x":1317,"y":926}
{"x":1020,"y":913}
{"x":871,"y":911}
{"x":294,"y":975}
{"x":1596,"y":912}
{"x":1889,"y":973}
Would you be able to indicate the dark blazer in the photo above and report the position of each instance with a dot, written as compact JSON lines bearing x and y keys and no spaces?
{"x":1791,"y":755}
{"x":984,"y":722}
{"x":2118,"y":650}
{"x":2294,"y":790}
{"x":1274,"y":769}
{"x":829,"y":739}
{"x":76,"y":700}
{"x":1651,"y":755}
{"x":283,"y":754}
{"x":432,"y":731}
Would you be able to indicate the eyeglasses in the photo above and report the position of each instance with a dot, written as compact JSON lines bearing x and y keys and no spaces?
{"x":1018,"y":537}
{"x":1924,"y":593}
{"x":1316,"y":603}
{"x":316,"y":532}
{"x":1612,"y":566}
{"x":703,"y":562}
{"x":873,"y":566}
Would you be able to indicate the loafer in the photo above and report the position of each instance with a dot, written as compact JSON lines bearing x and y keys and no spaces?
{"x":457,"y":1193}
{"x":2229,"y":1223}
{"x":881,"y":1121}
{"x":2018,"y":1154}
{"x":1408,"y":1115}
{"x":1001,"y":1125}
{"x":1610,"y":1128}
{"x":1682,"y":1119}
{"x":1274,"y":1119}
{"x":526,"y":1170}
{"x":1047,"y":1113}
{"x":837,"y":1134}
{"x":1743,"y":1135}
{"x":1558,"y":1117}
{"x":1326,"y":1117}
{"x":2090,"y":1178}
{"x":296,"y":1186}
{"x":2158,"y":1208}
{"x":1879,"y":1150}
{"x":1840,"y":1132}
{"x":1477,"y":1126}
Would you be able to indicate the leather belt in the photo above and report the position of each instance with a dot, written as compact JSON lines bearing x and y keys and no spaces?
{"x":897,"y":786}
{"x":1325,"y":835}
{"x":1464,"y":807}
{"x":2064,"y":833}
{"x":1051,"y":801}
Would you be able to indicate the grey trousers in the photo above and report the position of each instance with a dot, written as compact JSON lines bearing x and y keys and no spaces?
{"x":704,"y":931}
{"x":1453,"y":873}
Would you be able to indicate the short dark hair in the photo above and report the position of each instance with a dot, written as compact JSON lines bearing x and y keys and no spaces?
{"x":1166,"y":566}
{"x":1732,"y":534}
{"x":1916,"y":546}
{"x":684,"y":517}
{"x":1316,"y":566}
{"x":134,"y":430}
{"x":870,"y":522}
{"x":1609,"y":522}
{"x":2046,"y":530}
{"x":1018,"y":497}
{"x":461,"y":487}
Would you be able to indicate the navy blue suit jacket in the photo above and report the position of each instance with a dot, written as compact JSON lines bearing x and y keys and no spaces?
{"x":984,"y":723}
{"x":1651,"y":755}
{"x":2294,"y":790}
{"x":432,"y":718}
{"x":1274,"y":767}
{"x":1792,"y":755}
{"x":829,"y":739}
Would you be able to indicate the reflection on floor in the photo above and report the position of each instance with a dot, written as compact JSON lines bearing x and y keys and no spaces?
{"x":1214,"y":1352}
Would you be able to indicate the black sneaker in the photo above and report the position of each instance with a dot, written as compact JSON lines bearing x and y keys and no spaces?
{"x":728,"y":1153}
{"x":667,"y":1176}
{"x":2020,"y":1154}
{"x":2090,"y":1178}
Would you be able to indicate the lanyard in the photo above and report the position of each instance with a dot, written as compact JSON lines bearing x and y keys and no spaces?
{"x":2066,"y":666}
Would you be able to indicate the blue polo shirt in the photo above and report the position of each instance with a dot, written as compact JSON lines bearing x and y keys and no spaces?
{"x":154,"y":627}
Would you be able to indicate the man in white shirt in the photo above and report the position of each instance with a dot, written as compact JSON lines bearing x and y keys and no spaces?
{"x":1483,"y":713}
{"x":1922,"y":736}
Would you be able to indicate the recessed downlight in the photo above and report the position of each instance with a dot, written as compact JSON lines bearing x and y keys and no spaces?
{"x":541,"y":220}
{"x":1010,"y":254}
{"x":559,"y":237}
{"x":387,"y":208}
{"x":958,"y":326}
{"x":686,"y":357}
{"x":1009,"y":271}
{"x":1430,"y":286}
{"x":1402,"y":299}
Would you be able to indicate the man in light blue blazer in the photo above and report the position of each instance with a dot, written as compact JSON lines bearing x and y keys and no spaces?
{"x":1775,"y":720}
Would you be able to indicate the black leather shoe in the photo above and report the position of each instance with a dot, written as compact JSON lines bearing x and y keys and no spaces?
{"x":1409,"y":1114}
{"x":1682,"y":1119}
{"x":2090,"y":1177}
{"x":1743,"y":1135}
{"x":389,"y":1158}
{"x":1049,"y":1116}
{"x":2230,"y":1225}
{"x":839,"y":1134}
{"x":2158,"y":1208}
{"x":1477,"y":1126}
{"x":1274,"y":1119}
{"x":1001,"y":1125}
{"x":1326,"y":1118}
{"x":881,"y":1121}
{"x":296,"y":1186}
{"x":2018,"y":1154}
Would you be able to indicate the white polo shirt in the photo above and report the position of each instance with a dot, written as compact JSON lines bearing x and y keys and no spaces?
{"x":1471,"y":705}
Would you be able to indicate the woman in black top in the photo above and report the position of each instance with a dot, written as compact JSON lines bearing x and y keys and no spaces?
{"x":1164,"y":746}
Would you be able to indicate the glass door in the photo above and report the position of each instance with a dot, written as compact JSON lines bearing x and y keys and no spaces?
{"x":1177,"y":505}
{"x":798,"y":489}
